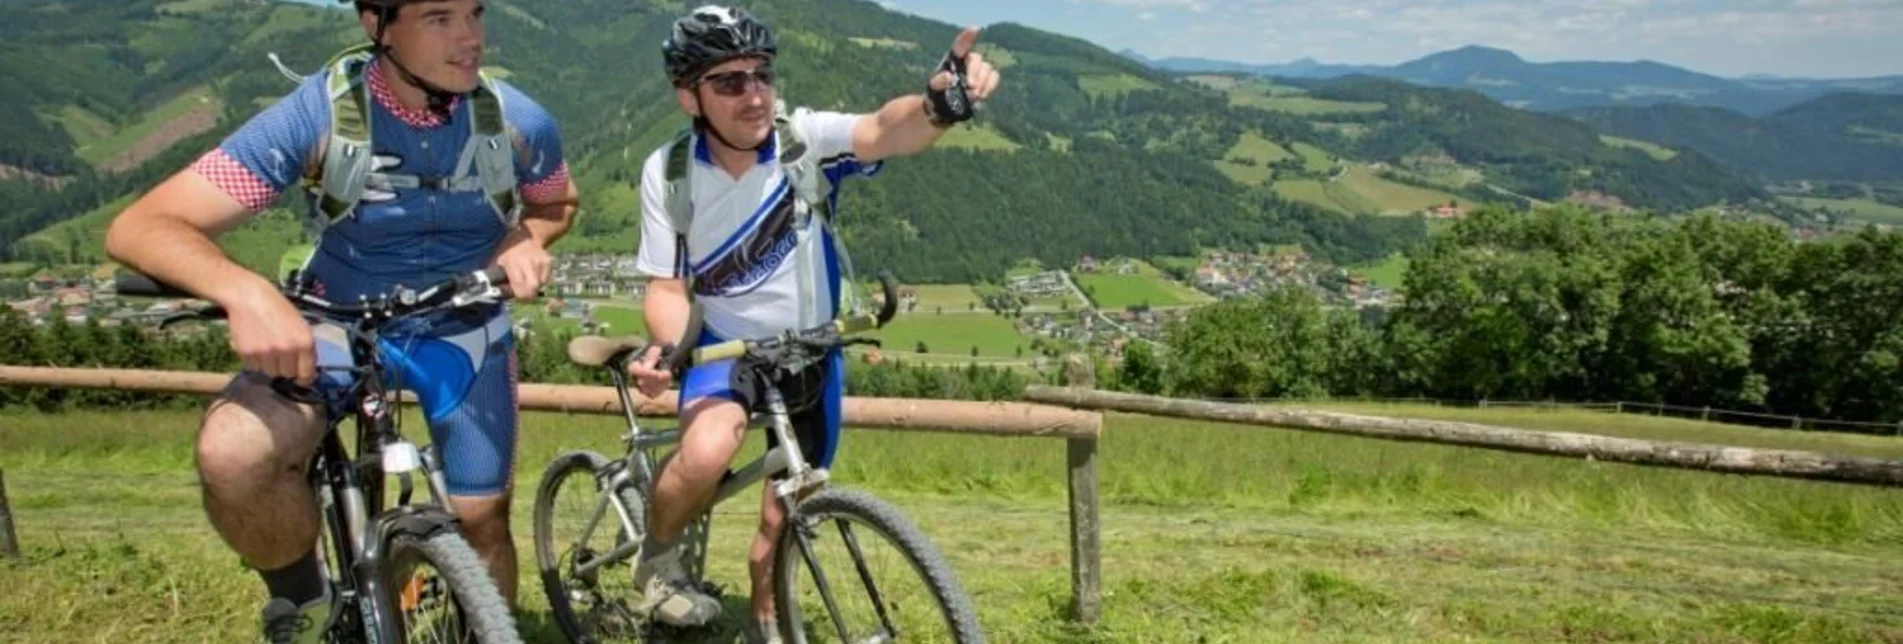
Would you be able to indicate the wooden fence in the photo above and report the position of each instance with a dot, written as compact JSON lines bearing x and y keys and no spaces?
{"x":1080,"y":429}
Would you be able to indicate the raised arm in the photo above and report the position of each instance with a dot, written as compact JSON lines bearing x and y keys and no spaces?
{"x":905,"y":125}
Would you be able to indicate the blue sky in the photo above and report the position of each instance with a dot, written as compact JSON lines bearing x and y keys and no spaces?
{"x":1824,"y":38}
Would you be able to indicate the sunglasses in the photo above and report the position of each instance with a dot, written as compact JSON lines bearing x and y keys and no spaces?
{"x":734,"y":83}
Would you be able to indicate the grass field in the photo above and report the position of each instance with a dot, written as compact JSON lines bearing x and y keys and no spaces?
{"x":1317,"y":158}
{"x":978,"y":136}
{"x":1210,"y":532}
{"x":621,"y":319}
{"x":1114,"y":292}
{"x":1864,"y":209}
{"x":1263,"y":94}
{"x":1100,"y":85}
{"x":1388,"y":273}
{"x":98,"y":143}
{"x":1260,"y":151}
{"x":954,"y":332}
{"x":1309,"y":191}
{"x":1657,"y":151}
{"x":1388,"y":197}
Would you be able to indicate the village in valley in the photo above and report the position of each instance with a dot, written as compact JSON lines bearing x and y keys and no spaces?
{"x":1030,"y":316}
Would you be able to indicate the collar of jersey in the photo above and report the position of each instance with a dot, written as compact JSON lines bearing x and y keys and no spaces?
{"x":380,"y":90}
{"x":767,"y":153}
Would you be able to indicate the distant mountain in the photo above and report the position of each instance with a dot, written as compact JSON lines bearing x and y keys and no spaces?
{"x":1303,"y":68}
{"x":1505,"y":77}
{"x":1850,"y":137}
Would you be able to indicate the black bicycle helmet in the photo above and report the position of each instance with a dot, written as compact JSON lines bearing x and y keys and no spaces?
{"x":713,"y":34}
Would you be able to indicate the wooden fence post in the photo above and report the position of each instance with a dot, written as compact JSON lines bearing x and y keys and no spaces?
{"x":1086,"y":571}
{"x":9,"y":542}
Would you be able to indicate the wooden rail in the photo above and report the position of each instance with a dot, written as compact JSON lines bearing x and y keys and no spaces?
{"x":1696,"y":456}
{"x":1080,"y":429}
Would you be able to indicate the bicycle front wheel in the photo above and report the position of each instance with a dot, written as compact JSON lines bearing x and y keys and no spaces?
{"x":585,"y":549}
{"x":854,"y":563}
{"x":440,"y":591}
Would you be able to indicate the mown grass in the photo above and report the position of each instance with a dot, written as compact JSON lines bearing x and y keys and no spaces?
{"x":1210,"y":532}
{"x":1865,"y":209}
{"x":1388,"y":273}
{"x":981,"y":137}
{"x":1654,"y":150}
{"x":953,"y":332}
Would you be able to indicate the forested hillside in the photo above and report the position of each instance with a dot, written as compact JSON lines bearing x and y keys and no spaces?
{"x":1090,"y":151}
{"x":1851,"y":137}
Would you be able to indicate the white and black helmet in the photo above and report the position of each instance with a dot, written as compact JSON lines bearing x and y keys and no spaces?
{"x":710,"y":35}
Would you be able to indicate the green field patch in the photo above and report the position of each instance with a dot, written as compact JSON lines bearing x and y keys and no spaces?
{"x":997,"y":55}
{"x":1301,"y":104}
{"x":977,"y":136}
{"x":1309,"y":191}
{"x":1863,"y":209}
{"x":955,"y":332}
{"x":1656,"y":151}
{"x":103,"y":149}
{"x":808,"y":41}
{"x":82,"y":125}
{"x":1333,"y":538}
{"x":1316,"y":159}
{"x":524,"y":15}
{"x":1874,"y":135}
{"x":1115,"y":292}
{"x":884,"y":43}
{"x":1100,"y":85}
{"x":1388,"y":197}
{"x":1247,"y":162}
{"x":188,"y":7}
{"x":1389,"y":273}
{"x":612,"y":318}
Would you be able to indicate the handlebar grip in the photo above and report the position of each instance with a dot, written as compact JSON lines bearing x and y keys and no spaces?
{"x":891,"y":306}
{"x":496,"y":275}
{"x":142,"y":284}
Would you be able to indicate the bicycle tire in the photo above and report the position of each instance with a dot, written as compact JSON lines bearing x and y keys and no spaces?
{"x":961,"y":619}
{"x":548,"y":556}
{"x":481,"y":606}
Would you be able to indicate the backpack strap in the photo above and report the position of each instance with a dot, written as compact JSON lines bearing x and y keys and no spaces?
{"x":347,"y":167}
{"x":336,"y":179}
{"x":680,"y":199}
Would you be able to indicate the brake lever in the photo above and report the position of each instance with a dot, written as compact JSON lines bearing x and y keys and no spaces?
{"x":479,"y":290}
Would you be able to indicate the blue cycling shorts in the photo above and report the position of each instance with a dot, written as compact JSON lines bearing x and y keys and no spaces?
{"x":814,"y":397}
{"x":464,"y":377}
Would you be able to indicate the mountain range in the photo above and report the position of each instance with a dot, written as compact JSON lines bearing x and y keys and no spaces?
{"x":1083,"y":151}
{"x":1552,"y":86}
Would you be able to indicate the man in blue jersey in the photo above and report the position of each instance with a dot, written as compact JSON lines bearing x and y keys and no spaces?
{"x":463,"y":173}
{"x":751,"y":239}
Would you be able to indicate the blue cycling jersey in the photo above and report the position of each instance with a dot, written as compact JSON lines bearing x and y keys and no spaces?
{"x":462,"y":367}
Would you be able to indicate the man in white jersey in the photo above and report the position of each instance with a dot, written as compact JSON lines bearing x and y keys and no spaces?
{"x":758,"y":264}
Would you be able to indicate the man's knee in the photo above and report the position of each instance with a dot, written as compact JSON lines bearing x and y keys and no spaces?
{"x":250,"y":433}
{"x":485,"y":520}
{"x":713,"y":435}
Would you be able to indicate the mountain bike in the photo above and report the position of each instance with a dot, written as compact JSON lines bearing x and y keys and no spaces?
{"x":590,"y":584}
{"x":375,"y":555}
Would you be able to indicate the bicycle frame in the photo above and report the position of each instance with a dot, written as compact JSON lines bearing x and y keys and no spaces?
{"x":351,"y":491}
{"x":784,"y":457}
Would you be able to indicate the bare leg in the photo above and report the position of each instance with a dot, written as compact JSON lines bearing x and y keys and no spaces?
{"x":715,"y":428}
{"x":760,"y":557}
{"x":485,"y":524}
{"x":253,"y":448}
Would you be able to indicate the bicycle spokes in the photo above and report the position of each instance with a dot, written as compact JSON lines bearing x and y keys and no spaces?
{"x":855,"y":584}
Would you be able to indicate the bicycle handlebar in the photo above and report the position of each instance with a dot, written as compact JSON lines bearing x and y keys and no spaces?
{"x":823,"y":336}
{"x":454,"y":292}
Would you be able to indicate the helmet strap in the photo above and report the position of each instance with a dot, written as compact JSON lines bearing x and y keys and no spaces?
{"x":438,"y":99}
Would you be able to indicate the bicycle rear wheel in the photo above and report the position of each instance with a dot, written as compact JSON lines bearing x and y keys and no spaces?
{"x":875,"y":569}
{"x":458,"y":603}
{"x":576,"y":526}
